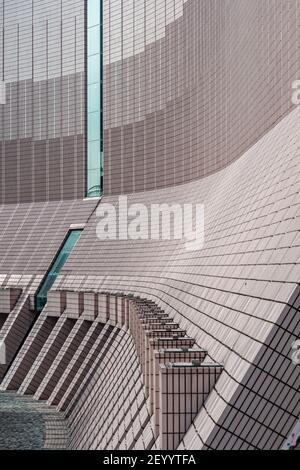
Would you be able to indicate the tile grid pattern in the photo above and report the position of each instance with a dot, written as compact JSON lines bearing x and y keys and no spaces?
{"x":191,"y":85}
{"x":116,"y":412}
{"x":237,"y":296}
{"x":42,"y":123}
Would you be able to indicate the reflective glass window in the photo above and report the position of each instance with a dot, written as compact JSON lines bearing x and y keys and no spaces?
{"x":60,"y":260}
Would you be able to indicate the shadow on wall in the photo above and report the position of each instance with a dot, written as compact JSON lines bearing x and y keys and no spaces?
{"x":272,"y":380}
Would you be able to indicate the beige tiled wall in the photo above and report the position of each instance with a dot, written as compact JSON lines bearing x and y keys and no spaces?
{"x":238,"y":296}
{"x":194,"y":86}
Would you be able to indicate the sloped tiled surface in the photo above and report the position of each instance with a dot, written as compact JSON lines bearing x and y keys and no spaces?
{"x":30,"y":237}
{"x":192,"y":85}
{"x":32,"y":233}
{"x":211,"y":94}
{"x":238,"y":296}
{"x":107,"y":379}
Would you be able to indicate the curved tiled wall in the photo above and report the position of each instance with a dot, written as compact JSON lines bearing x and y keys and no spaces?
{"x":42,"y":123}
{"x":30,"y":237}
{"x":183,"y":102}
{"x":121,"y":373}
{"x":238,"y":296}
{"x":191,"y":85}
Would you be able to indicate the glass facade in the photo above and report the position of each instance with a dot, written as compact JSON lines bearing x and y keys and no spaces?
{"x":60,"y":260}
{"x":94,"y":98}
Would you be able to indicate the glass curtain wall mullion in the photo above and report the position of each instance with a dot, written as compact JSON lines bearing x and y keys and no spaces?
{"x":94,"y":98}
